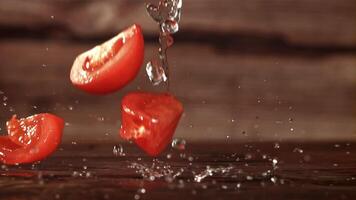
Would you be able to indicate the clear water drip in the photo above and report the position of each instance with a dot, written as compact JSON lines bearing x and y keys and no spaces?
{"x":155,"y":72}
{"x":167,"y":14}
{"x":179,"y":144}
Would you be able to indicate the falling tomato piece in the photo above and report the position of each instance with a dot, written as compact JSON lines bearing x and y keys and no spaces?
{"x":150,"y":119}
{"x":30,"y":139}
{"x":110,"y":66}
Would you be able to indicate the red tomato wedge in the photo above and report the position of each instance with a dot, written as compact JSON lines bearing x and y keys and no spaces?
{"x":150,"y":119}
{"x":30,"y":139}
{"x":110,"y":66}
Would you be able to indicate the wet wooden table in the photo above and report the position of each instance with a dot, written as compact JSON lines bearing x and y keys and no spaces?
{"x":201,"y":171}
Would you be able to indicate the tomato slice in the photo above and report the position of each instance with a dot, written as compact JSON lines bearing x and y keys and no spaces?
{"x":110,"y":66}
{"x":24,"y":131}
{"x":31,"y":139}
{"x":150,"y":119}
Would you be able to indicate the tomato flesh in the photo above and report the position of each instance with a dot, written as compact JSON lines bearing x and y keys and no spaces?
{"x":30,"y":139}
{"x":150,"y":119}
{"x":24,"y":131}
{"x":110,"y":66}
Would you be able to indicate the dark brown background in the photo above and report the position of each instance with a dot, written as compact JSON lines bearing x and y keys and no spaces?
{"x":249,"y":70}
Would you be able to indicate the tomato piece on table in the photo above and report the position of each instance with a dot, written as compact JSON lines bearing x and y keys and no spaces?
{"x":31,"y":139}
{"x":150,"y":119}
{"x":110,"y":66}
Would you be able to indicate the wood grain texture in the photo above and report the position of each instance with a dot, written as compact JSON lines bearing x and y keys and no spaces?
{"x":301,"y":22}
{"x":306,"y":171}
{"x":227,"y":95}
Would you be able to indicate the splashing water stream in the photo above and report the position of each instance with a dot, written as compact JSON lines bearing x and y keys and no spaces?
{"x":167,"y":14}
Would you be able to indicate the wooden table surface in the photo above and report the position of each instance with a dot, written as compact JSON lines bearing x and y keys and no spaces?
{"x":201,"y":171}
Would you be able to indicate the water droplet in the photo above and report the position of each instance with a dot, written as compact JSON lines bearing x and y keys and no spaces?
{"x":276,"y":145}
{"x":118,"y":150}
{"x":248,"y":156}
{"x":137,"y":197}
{"x":152,"y":178}
{"x":87,"y":174}
{"x":169,"y":26}
{"x":142,"y":190}
{"x":75,"y":174}
{"x":179,"y":144}
{"x":153,"y":11}
{"x":274,"y":180}
{"x":274,"y":162}
{"x":166,"y":41}
{"x":298,"y":150}
{"x":101,"y":119}
{"x":155,"y":72}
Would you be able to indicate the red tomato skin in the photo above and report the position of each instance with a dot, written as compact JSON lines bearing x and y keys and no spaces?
{"x":119,"y":66}
{"x":45,"y":143}
{"x":150,"y":119}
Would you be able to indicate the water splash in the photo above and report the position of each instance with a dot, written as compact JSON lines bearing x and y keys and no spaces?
{"x":210,"y":172}
{"x":167,"y":14}
{"x":158,"y":169}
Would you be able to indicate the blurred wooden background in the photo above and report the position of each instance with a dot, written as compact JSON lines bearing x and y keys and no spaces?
{"x":251,"y":70}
